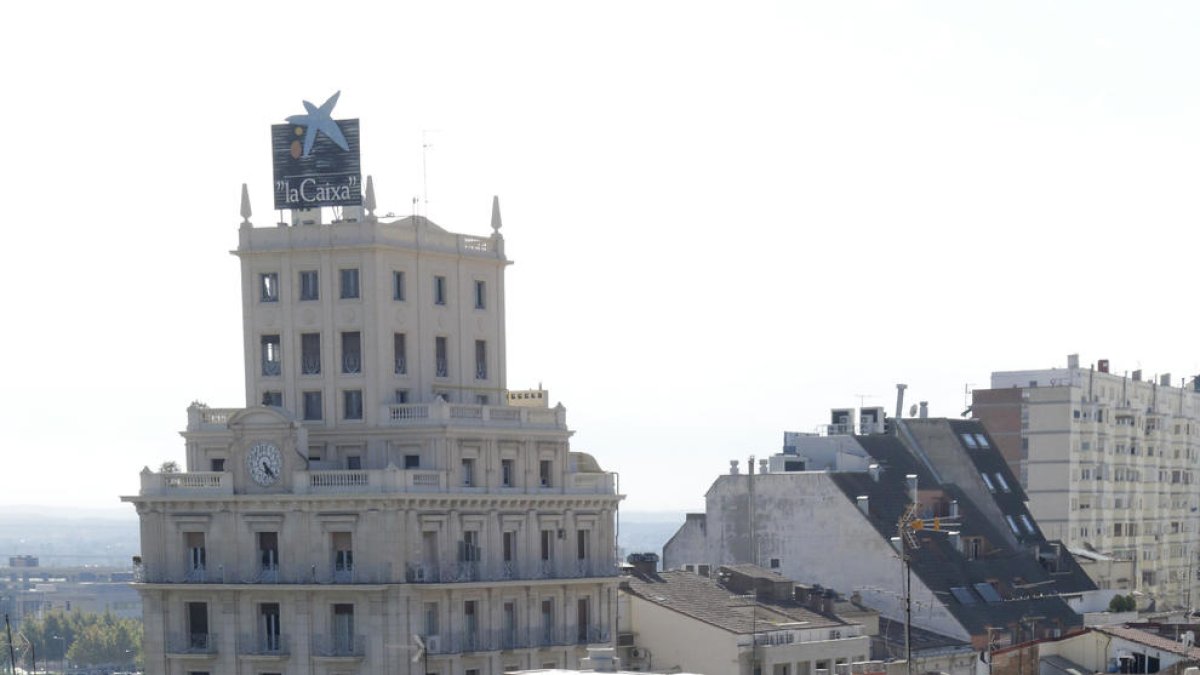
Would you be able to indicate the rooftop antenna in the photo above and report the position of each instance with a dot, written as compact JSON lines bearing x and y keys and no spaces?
{"x":425,"y":146}
{"x":862,"y":398}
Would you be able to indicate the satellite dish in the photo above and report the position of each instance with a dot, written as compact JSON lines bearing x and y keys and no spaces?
{"x":912,"y":411}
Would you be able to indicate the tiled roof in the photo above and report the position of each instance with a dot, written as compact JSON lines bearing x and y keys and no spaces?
{"x":1025,"y":588}
{"x":706,"y":600}
{"x":1150,"y":640}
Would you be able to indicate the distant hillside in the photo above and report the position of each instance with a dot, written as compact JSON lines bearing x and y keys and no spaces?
{"x":647,"y":531}
{"x":66,"y":537}
{"x":62,"y":536}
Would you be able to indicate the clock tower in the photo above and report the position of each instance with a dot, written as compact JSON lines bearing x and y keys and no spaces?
{"x":383,"y":502}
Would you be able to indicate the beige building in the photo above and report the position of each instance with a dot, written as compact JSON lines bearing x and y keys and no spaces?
{"x":1109,"y":464}
{"x":745,"y":619}
{"x":383,"y":504}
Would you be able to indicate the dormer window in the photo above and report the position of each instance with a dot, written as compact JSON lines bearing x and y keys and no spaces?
{"x":1002,"y":483}
{"x":988,"y":482}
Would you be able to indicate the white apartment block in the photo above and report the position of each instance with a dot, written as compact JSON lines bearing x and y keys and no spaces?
{"x":1109,"y":462}
{"x":383,"y":504}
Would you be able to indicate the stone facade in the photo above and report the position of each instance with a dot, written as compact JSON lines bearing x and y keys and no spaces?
{"x":381,"y":505}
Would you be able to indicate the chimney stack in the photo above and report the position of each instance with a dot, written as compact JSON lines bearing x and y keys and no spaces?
{"x":900,"y":399}
{"x":924,"y":409}
{"x":911,"y":480}
{"x":864,"y":504}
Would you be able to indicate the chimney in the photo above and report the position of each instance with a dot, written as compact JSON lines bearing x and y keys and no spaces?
{"x":873,"y":469}
{"x":1164,"y":380}
{"x":750,"y":465}
{"x":900,"y":399}
{"x":1072,"y":360}
{"x":645,"y":563}
{"x":953,"y":508}
{"x":864,"y":504}
{"x":924,"y":409}
{"x":911,"y":480}
{"x":955,"y":539}
{"x":733,"y":467}
{"x":762,"y":466}
{"x":1137,"y":375}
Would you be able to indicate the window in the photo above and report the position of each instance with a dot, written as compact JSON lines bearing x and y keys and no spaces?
{"x":508,"y":626}
{"x":398,"y":286}
{"x":354,"y":462}
{"x":547,"y":545}
{"x":343,"y":552}
{"x":431,"y":618}
{"x":981,"y":440}
{"x":468,"y":549}
{"x":310,"y":353}
{"x":197,"y":621}
{"x":401,"y":396}
{"x":988,"y":482}
{"x":309,"y":289}
{"x":217,"y":464}
{"x":270,"y":355}
{"x":970,"y":441}
{"x":1027,"y":523}
{"x":197,"y":556}
{"x":400,"y":353}
{"x":312,"y":406}
{"x":480,"y":295}
{"x":412,"y":461}
{"x":507,"y":469}
{"x":545,"y":468}
{"x":481,"y":399}
{"x":468,"y":472}
{"x":510,"y":546}
{"x":581,"y":544}
{"x":441,"y":366}
{"x":583,"y":620}
{"x":481,"y":359}
{"x":269,"y":641}
{"x":1002,"y":483}
{"x":273,"y":399}
{"x":439,"y":290}
{"x":343,"y":629}
{"x":349,"y":283}
{"x":471,"y":624}
{"x":352,"y":352}
{"x":774,"y":563}
{"x":548,"y":622}
{"x":1012,"y":524}
{"x":352,"y":404}
{"x":268,"y":551}
{"x":268,"y":287}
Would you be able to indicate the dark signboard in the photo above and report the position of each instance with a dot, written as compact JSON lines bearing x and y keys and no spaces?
{"x":316,"y":162}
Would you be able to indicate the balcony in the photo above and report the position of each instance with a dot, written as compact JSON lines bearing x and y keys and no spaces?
{"x":442,"y":414}
{"x":422,"y":573}
{"x":266,"y":644}
{"x":339,"y":646}
{"x":192,"y":643}
{"x":507,"y":639}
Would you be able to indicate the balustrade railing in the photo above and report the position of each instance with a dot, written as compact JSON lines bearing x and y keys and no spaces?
{"x":264,"y":644}
{"x":401,"y":365}
{"x":310,"y":365}
{"x":339,"y":645}
{"x":510,"y":638}
{"x":192,"y":643}
{"x":351,"y":363}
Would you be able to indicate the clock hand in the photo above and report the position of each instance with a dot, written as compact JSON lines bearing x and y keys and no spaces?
{"x":267,"y":469}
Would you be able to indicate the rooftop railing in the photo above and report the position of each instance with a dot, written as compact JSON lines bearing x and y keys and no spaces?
{"x":363,"y":481}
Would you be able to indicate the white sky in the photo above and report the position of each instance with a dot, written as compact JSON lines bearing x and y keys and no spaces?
{"x":726,"y":219}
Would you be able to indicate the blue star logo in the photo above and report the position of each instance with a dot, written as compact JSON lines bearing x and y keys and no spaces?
{"x":319,"y":119}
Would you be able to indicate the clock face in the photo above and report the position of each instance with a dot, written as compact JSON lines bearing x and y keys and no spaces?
{"x":264,"y":463}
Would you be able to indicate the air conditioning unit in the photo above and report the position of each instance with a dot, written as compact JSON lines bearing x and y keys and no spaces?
{"x":433,"y":643}
{"x":639,"y":652}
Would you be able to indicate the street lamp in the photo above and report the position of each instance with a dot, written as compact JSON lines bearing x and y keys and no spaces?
{"x":62,"y":645}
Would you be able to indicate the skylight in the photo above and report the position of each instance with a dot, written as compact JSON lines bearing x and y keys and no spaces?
{"x":988,"y":592}
{"x":964,"y":595}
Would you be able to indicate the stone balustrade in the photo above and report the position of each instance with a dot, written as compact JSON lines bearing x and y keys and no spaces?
{"x":362,"y":481}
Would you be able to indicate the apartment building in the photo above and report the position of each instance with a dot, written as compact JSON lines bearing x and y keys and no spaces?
{"x":1109,"y":463}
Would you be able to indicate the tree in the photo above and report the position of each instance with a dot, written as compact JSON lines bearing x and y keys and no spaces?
{"x":1122,"y":603}
{"x":169,"y":466}
{"x":86,"y":639}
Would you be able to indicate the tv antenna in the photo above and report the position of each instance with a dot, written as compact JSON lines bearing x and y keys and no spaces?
{"x":425,"y":146}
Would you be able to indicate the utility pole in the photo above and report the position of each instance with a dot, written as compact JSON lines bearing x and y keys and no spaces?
{"x":906,"y":529}
{"x":12,"y":656}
